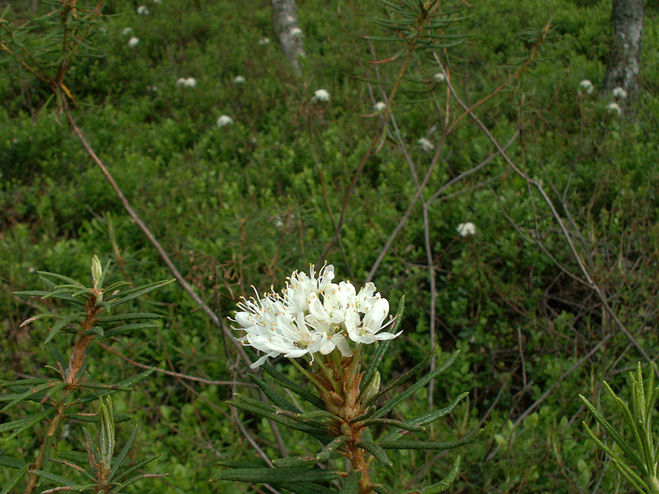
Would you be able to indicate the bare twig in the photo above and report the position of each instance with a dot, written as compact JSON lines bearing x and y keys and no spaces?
{"x":559,"y":220}
{"x":170,"y":373}
{"x":184,"y":284}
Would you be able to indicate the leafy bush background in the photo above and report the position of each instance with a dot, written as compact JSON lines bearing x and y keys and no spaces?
{"x":245,"y":205}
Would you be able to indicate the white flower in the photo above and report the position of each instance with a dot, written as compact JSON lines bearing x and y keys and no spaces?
{"x":142,"y":10}
{"x":224,"y":120}
{"x":313,"y":314}
{"x":190,"y":82}
{"x":614,"y":108}
{"x":264,"y":41}
{"x":152,"y":88}
{"x":425,"y":144}
{"x":296,"y":32}
{"x":587,"y":86}
{"x":239,"y":79}
{"x":439,"y":77}
{"x":465,"y":229}
{"x":133,"y":42}
{"x":180,"y":82}
{"x":321,"y":95}
{"x":380,"y":106}
{"x":127,"y":30}
{"x":619,"y":93}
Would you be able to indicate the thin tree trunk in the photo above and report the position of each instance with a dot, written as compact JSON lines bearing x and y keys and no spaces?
{"x":289,"y":34}
{"x":625,"y":52}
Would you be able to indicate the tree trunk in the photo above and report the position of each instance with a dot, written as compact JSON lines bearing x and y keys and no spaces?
{"x":625,"y":51}
{"x":289,"y":34}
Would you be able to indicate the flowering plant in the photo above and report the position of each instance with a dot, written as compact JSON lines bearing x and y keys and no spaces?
{"x":327,"y":326}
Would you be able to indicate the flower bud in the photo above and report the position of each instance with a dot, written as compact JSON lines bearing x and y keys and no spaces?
{"x":97,"y":271}
{"x":372,"y":388}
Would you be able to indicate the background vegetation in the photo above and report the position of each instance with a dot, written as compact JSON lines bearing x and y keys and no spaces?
{"x":249,"y":203}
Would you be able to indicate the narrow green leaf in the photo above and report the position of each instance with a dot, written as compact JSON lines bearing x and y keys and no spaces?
{"x":395,"y":423}
{"x":10,"y":462}
{"x":19,"y":425}
{"x":32,"y":392}
{"x":403,"y":377}
{"x":133,"y":468}
{"x":445,"y":483}
{"x":137,"y":292}
{"x":118,"y":461}
{"x":130,"y":327}
{"x":273,"y":396}
{"x":128,"y":316}
{"x":416,"y":386}
{"x":61,"y":481}
{"x":436,"y":446}
{"x":57,"y":276}
{"x":271,"y":475}
{"x":378,"y":452}
{"x":295,"y":388}
{"x":437,"y":414}
{"x":15,"y":479}
{"x":351,"y":484}
{"x":626,"y":448}
{"x":382,"y":349}
{"x":139,"y":477}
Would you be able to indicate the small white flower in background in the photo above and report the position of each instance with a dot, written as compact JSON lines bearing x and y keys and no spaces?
{"x":264,"y":41}
{"x":586,"y":86}
{"x":313,"y":315}
{"x":614,"y":108}
{"x":127,"y":31}
{"x":296,"y":32}
{"x":190,"y":82}
{"x":619,"y":93}
{"x":465,"y":229}
{"x":239,"y":79}
{"x":439,"y":77}
{"x":180,"y":82}
{"x":224,"y":120}
{"x":153,"y":89}
{"x":133,"y":42}
{"x":321,"y":95}
{"x":142,"y":10}
{"x":380,"y":106}
{"x":425,"y":144}
{"x":31,"y":270}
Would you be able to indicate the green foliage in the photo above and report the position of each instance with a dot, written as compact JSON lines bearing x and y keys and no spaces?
{"x":636,"y":458}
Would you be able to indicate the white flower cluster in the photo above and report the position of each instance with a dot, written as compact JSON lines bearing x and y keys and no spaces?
{"x":614,"y":108}
{"x":586,"y":86}
{"x":133,"y":42}
{"x":379,"y":107}
{"x":312,"y":315}
{"x":439,"y":77}
{"x":425,"y":144}
{"x":321,"y":95}
{"x":142,"y":10}
{"x":224,"y":120}
{"x":466,"y":229}
{"x":619,"y":93}
{"x":186,"y":82}
{"x":239,"y":80}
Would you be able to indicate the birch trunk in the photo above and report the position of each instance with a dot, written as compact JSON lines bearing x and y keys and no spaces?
{"x":625,"y":51}
{"x":289,"y":34}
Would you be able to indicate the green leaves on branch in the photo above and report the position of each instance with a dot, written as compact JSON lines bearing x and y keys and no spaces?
{"x":356,"y":427}
{"x":636,"y":457}
{"x":91,"y":315}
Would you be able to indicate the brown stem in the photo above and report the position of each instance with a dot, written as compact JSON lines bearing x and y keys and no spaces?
{"x":52,"y":430}
{"x":76,"y":361}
